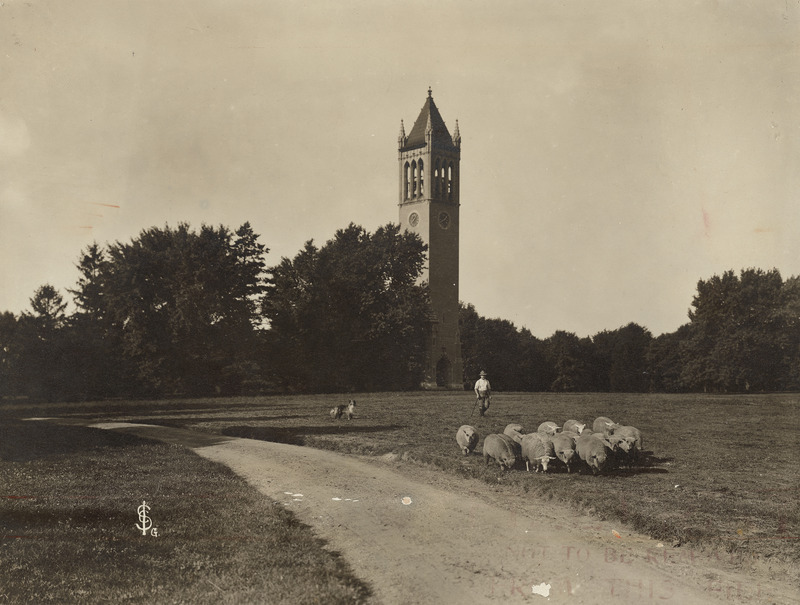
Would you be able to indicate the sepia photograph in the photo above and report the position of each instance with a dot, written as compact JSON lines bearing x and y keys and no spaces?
{"x":386,"y":302}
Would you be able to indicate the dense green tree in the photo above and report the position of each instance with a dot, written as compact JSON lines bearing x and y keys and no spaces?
{"x":48,"y":310}
{"x":513,"y":358}
{"x":88,"y":295}
{"x":570,"y":358}
{"x":534,"y":369}
{"x":500,"y":353}
{"x":468,"y":320}
{"x":620,"y":359}
{"x":44,"y":361}
{"x":184,"y":305}
{"x":786,"y":323}
{"x":10,"y":351}
{"x":350,"y":315}
{"x":664,"y":361}
{"x":603,"y":345}
{"x":736,"y":340}
{"x":100,"y":368}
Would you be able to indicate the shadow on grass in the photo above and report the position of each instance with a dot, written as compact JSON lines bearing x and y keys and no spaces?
{"x":647,"y":465}
{"x":297,"y":435}
{"x":638,"y":470}
{"x":652,"y":460}
{"x":184,"y":421}
{"x":21,"y":521}
{"x":22,"y":441}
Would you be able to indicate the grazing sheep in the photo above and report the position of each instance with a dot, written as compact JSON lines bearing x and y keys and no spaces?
{"x":612,"y":450}
{"x":500,"y":448}
{"x":548,"y":428}
{"x":574,"y":426}
{"x":575,"y":435}
{"x":628,"y":441}
{"x":564,"y":447}
{"x":593,"y":452}
{"x":602,"y":423}
{"x":515,"y":447}
{"x":515,"y":431}
{"x":537,"y":448}
{"x":467,"y":438}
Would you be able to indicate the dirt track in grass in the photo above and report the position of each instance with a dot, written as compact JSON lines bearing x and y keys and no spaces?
{"x":420,"y":536}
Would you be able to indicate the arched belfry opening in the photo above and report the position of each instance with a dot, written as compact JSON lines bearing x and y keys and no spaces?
{"x":429,"y":206}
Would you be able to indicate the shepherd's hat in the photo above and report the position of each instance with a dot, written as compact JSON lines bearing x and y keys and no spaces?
{"x":483,"y":373}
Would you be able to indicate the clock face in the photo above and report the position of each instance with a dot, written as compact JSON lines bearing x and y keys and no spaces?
{"x":413,"y":219}
{"x":444,"y":220}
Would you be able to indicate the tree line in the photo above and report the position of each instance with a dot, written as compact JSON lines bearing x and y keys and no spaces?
{"x":184,"y":312}
{"x":743,"y":335}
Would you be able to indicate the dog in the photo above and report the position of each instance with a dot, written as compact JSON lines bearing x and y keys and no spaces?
{"x":348,"y":411}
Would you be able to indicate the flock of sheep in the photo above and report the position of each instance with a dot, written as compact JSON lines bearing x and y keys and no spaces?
{"x":607,"y":444}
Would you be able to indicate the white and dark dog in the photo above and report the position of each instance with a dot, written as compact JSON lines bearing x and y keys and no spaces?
{"x":347,"y":411}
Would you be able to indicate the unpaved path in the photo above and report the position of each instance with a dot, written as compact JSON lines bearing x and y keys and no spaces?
{"x":419,"y":536}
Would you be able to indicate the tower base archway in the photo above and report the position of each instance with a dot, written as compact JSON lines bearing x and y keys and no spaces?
{"x":444,"y":372}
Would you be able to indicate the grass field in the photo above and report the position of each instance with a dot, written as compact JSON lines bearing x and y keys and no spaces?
{"x":720,"y":471}
{"x":68,"y":518}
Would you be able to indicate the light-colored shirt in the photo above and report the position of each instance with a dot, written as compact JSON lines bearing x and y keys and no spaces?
{"x":482,"y":386}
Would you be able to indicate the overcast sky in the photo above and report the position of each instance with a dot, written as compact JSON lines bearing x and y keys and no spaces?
{"x":613,"y":153}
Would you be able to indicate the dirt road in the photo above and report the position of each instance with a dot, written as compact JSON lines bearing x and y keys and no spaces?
{"x":419,"y":536}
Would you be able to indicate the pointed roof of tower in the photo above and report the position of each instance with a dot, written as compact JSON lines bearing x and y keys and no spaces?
{"x":429,"y":117}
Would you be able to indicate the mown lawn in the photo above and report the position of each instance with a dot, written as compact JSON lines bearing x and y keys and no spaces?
{"x":68,"y":515}
{"x":720,"y":471}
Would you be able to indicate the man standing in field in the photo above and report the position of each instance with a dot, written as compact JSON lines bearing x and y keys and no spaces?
{"x":483,"y":391}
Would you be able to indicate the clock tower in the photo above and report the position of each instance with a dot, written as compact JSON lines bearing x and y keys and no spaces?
{"x":429,"y":160}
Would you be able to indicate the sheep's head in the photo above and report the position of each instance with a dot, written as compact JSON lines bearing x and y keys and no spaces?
{"x":565,"y":455}
{"x":621,"y":443}
{"x":597,"y":461}
{"x":470,"y":434}
{"x":544,"y":461}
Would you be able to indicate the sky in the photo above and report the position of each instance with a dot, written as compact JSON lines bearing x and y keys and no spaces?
{"x":613,"y":153}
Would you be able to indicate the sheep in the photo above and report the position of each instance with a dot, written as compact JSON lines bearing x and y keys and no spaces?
{"x":515,"y":431}
{"x":467,"y":438}
{"x":628,"y":441}
{"x":601,"y":423}
{"x":515,"y":447}
{"x":593,"y":452}
{"x":537,"y":448}
{"x":573,"y":425}
{"x":564,"y":447}
{"x":548,"y":428}
{"x":500,"y":448}
{"x":612,"y":450}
